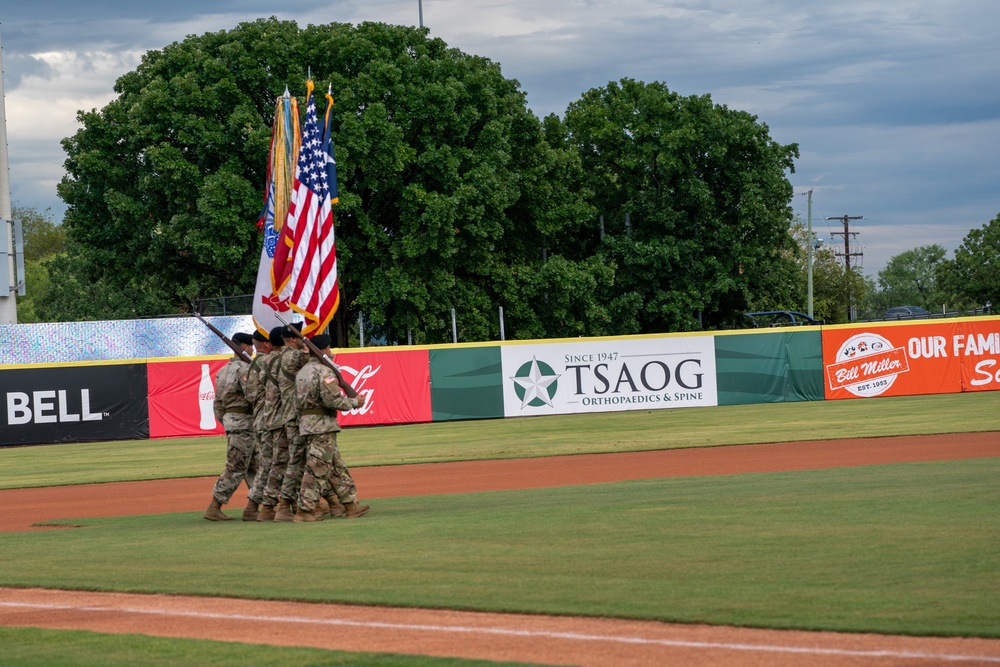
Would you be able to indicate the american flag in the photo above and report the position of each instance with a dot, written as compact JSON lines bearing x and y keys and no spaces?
{"x":305,"y":264}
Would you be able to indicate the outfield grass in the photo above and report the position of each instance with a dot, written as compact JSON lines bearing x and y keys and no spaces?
{"x":30,"y":647}
{"x":526,"y":437}
{"x":903,"y":548}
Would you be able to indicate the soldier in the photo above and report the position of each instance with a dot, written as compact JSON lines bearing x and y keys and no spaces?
{"x":233,"y":410}
{"x":292,"y":358}
{"x":263,"y":447}
{"x":275,"y":467}
{"x":326,"y":476}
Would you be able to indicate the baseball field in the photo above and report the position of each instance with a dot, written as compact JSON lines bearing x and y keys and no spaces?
{"x":861,"y":532}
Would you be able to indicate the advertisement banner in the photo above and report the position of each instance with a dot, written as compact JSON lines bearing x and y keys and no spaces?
{"x":86,"y":403}
{"x":181,"y":394}
{"x":396,"y":385}
{"x":466,"y":383}
{"x":608,"y":375}
{"x":912,"y":359}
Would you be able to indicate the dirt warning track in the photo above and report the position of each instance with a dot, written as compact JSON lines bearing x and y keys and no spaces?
{"x":509,"y":637}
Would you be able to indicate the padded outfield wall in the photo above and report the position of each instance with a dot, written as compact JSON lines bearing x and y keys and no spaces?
{"x":169,"y":396}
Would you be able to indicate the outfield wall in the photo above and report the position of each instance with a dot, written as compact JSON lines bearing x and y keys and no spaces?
{"x":165,"y":396}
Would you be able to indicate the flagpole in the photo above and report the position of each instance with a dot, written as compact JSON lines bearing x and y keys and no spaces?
{"x":8,"y":296}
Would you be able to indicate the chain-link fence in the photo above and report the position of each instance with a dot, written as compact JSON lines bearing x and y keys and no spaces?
{"x":241,"y":304}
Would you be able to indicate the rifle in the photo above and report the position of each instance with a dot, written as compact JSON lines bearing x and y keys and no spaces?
{"x":316,"y":352}
{"x":240,"y":352}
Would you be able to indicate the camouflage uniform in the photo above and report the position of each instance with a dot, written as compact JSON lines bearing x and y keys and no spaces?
{"x":263,"y":444}
{"x":276,"y":429}
{"x":233,"y":410}
{"x":319,"y":399}
{"x":289,"y":363}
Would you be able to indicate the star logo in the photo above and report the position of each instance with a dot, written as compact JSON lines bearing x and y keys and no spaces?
{"x":535,"y":383}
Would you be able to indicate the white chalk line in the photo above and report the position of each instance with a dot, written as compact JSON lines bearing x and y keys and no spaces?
{"x":459,"y":629}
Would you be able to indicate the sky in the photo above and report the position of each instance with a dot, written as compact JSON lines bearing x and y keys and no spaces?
{"x":895,"y":105}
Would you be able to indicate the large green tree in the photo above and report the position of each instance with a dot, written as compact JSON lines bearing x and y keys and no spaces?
{"x":707,"y":200}
{"x":910,"y":279}
{"x":449,"y":191}
{"x":972,"y":279}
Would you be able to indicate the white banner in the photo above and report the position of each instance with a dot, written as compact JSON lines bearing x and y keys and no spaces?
{"x":608,"y":375}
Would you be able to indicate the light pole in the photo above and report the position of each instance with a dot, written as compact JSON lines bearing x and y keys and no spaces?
{"x":420,"y":11}
{"x":8,"y":278}
{"x":809,"y":257}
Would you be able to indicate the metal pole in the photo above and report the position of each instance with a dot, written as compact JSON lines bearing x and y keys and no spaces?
{"x":8,"y":298}
{"x":809,"y":260}
{"x":501,"y":323}
{"x":420,"y":8}
{"x":361,"y":329}
{"x":454,"y":327}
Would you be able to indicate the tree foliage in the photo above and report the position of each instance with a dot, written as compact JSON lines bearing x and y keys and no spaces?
{"x":448,"y":190}
{"x":44,"y":246}
{"x":706,"y":196}
{"x":972,"y":279}
{"x":910,"y":279}
{"x":453,"y":194}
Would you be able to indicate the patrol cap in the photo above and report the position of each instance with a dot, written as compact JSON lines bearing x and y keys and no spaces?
{"x":243,"y":338}
{"x":275,"y":337}
{"x":286,"y":331}
{"x":322,"y":341}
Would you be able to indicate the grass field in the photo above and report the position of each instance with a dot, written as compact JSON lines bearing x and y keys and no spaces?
{"x":527,"y":437}
{"x":903,"y":548}
{"x":66,"y":648}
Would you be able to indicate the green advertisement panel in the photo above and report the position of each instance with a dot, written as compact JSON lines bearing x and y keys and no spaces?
{"x":466,"y":383}
{"x":769,"y":367}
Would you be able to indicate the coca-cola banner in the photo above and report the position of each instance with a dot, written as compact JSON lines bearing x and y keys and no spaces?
{"x":79,"y":403}
{"x":913,"y":358}
{"x":181,"y":395}
{"x":396,"y":385}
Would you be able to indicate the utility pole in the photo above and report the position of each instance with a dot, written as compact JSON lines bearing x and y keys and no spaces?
{"x":847,"y":234}
{"x":847,"y":254}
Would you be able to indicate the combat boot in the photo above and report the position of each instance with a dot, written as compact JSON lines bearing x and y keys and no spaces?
{"x":250,"y":512}
{"x":284,"y":512}
{"x":354,"y":510}
{"x":307,"y":516}
{"x":336,"y":509}
{"x":266,"y":513}
{"x":215,"y":513}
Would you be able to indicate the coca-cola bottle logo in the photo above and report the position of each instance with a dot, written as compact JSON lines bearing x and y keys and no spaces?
{"x":359,"y":379}
{"x":206,"y":399}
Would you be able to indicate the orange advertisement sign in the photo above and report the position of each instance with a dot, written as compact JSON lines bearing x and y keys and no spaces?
{"x":872,"y":370}
{"x":920,"y":358}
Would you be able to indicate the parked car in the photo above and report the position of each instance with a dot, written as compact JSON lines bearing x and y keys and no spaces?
{"x":781,"y":318}
{"x":906,"y":313}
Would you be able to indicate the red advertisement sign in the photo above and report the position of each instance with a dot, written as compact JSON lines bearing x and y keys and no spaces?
{"x":396,"y":385}
{"x":180,"y":397}
{"x":914,"y":358}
